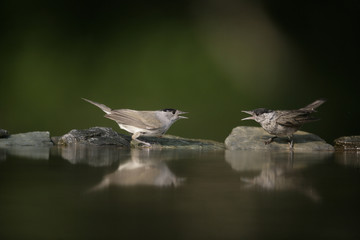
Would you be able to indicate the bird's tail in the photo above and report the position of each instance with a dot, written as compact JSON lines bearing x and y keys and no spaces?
{"x":106,"y":109}
{"x":312,"y":106}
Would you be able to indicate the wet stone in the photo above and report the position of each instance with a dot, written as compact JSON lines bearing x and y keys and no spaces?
{"x":100,"y":136}
{"x":40,"y":139}
{"x":4,"y":133}
{"x":347,"y":143}
{"x":253,"y":138}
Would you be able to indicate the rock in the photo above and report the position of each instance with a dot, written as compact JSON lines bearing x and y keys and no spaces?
{"x":348,"y":143}
{"x":39,"y":139}
{"x":98,"y":136}
{"x":30,"y":145}
{"x":101,"y":136}
{"x":4,"y":133}
{"x":252,"y":138}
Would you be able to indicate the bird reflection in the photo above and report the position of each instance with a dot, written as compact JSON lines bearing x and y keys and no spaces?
{"x":145,"y":167}
{"x":279,"y":171}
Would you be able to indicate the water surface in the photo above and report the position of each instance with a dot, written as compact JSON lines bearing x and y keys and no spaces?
{"x":79,"y":192}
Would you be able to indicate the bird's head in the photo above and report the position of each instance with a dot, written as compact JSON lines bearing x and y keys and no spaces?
{"x":259,"y":115}
{"x":172,"y":114}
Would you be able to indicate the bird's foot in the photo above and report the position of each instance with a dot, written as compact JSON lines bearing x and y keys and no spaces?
{"x":140,"y":144}
{"x":145,"y":145}
{"x":291,"y":143}
{"x":270,"y":140}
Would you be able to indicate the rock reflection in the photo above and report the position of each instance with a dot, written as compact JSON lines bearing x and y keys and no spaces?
{"x":279,"y":171}
{"x":2,"y":154}
{"x":145,"y":167}
{"x":96,"y":156}
{"x":33,"y":152}
{"x":348,"y":158}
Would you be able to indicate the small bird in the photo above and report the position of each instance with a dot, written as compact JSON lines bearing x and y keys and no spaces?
{"x":284,"y":123}
{"x":142,"y":123}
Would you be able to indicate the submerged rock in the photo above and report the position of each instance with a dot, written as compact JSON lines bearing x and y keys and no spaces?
{"x":101,"y":136}
{"x":348,"y":143}
{"x":252,"y":138}
{"x":39,"y":139}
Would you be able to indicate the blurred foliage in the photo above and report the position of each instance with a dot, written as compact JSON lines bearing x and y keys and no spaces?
{"x":210,"y":58}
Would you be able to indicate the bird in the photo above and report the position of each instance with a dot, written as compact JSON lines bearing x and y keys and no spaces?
{"x":284,"y":123}
{"x":142,"y":123}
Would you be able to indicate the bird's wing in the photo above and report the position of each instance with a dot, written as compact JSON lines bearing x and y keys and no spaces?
{"x":139,"y":119}
{"x":295,"y":118}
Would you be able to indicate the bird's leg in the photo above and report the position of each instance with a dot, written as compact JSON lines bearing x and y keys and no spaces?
{"x":270,"y":140}
{"x":291,"y":142}
{"x":136,"y":135}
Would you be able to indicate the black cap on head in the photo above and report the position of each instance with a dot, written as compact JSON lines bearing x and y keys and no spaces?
{"x":169,"y":110}
{"x":260,"y":111}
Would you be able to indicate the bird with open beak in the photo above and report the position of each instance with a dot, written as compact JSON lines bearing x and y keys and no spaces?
{"x":142,"y":123}
{"x":283,"y":123}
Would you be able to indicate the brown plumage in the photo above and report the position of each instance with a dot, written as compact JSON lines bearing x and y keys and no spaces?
{"x":284,"y":123}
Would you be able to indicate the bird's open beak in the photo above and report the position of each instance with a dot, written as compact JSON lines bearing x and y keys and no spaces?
{"x":180,"y":112}
{"x":250,"y":113}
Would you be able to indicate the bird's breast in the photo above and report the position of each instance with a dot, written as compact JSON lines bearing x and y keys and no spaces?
{"x":278,"y":130}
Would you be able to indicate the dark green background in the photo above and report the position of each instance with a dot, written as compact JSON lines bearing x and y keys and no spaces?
{"x":210,"y":58}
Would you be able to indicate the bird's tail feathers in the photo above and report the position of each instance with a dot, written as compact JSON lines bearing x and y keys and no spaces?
{"x":312,"y":106}
{"x":106,"y":109}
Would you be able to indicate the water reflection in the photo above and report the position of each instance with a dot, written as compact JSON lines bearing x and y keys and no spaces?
{"x":144,"y":167}
{"x":2,"y":154}
{"x":350,"y":158}
{"x":42,"y":153}
{"x":96,"y":156}
{"x":279,"y":171}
